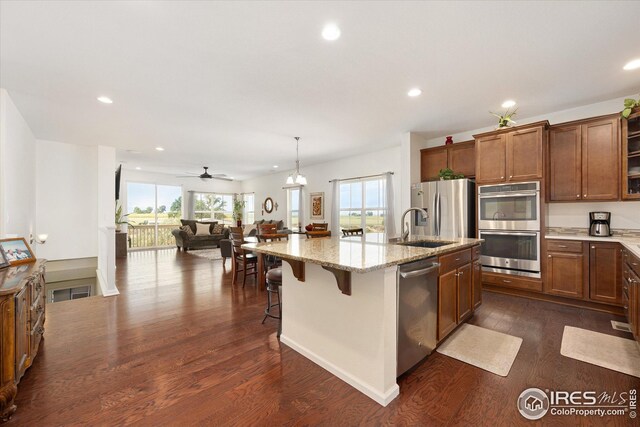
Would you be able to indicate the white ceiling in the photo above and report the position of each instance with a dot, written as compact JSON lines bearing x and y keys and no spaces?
{"x":230,"y":84}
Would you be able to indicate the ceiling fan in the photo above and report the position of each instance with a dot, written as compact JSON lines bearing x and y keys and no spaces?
{"x":207,"y":175}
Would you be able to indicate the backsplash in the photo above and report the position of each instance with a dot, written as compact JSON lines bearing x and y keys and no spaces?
{"x":624,"y":215}
{"x":622,"y":232}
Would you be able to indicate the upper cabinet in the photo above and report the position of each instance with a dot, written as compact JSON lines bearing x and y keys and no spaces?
{"x":510,"y":155}
{"x":631,"y":156}
{"x":584,"y":160}
{"x":460,"y":157}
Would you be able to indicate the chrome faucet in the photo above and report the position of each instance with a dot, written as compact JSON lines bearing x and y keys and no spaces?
{"x":405,"y":226}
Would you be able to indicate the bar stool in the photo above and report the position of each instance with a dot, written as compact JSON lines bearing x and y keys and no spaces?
{"x":274,"y":281}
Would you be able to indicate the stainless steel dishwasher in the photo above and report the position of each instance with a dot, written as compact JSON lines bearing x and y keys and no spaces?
{"x":417,"y":312}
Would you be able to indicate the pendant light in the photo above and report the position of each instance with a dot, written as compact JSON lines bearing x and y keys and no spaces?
{"x":297,"y":177}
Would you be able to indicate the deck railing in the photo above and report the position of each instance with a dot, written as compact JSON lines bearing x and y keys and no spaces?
{"x":143,"y":236}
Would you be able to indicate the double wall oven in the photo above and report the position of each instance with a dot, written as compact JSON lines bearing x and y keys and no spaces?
{"x":509,"y":223}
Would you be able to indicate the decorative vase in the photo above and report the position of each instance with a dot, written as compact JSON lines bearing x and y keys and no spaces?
{"x":239,"y":223}
{"x":449,"y":140}
{"x":308,"y":227}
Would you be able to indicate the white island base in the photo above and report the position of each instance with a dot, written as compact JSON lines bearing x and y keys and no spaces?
{"x":351,"y":336}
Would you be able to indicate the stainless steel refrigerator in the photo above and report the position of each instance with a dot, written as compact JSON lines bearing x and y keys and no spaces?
{"x":451,"y":206}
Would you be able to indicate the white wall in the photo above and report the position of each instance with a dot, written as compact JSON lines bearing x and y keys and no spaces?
{"x":592,"y":110}
{"x":623,"y":214}
{"x":318,"y":177}
{"x":66,"y":199}
{"x":17,"y":171}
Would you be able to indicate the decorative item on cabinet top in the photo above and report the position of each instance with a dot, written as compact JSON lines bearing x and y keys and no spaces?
{"x":629,"y":105}
{"x":506,"y":119}
{"x":449,"y":140}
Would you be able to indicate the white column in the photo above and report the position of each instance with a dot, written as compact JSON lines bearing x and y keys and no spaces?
{"x":106,"y":220}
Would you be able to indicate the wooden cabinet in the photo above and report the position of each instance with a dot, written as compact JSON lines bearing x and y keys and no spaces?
{"x":464,"y":292}
{"x":565,"y":163}
{"x":460,"y":157}
{"x":511,"y":155}
{"x":524,"y":154}
{"x":631,"y":156}
{"x":22,"y":327}
{"x":447,"y":304}
{"x":457,"y":294}
{"x":631,"y":291}
{"x":477,"y":284}
{"x":567,"y":269}
{"x":584,"y":160}
{"x":491,"y":158}
{"x":605,"y":271}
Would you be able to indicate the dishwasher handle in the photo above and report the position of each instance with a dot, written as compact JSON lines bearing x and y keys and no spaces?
{"x":421,"y":272}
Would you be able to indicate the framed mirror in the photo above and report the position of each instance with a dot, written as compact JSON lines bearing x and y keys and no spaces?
{"x":268,"y":205}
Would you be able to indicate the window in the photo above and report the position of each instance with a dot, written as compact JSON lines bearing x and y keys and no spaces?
{"x":293,"y":208}
{"x":362,"y":205}
{"x":154,"y":210}
{"x":212,"y":206}
{"x":249,"y":210}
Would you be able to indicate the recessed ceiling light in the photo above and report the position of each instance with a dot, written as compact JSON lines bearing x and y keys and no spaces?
{"x":414,"y":92}
{"x":105,"y":100}
{"x":632,"y":65}
{"x":275,"y":166}
{"x":508,"y":104}
{"x":159,"y":149}
{"x":138,"y":168}
{"x":331,"y":32}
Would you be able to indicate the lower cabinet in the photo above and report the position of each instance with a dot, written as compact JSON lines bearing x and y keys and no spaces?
{"x":447,"y":305}
{"x":631,"y":291}
{"x":605,"y":271}
{"x":477,"y":284}
{"x":459,"y":287}
{"x":567,"y":270}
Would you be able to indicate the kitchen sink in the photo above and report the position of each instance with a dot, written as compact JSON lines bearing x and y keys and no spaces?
{"x":427,"y":244}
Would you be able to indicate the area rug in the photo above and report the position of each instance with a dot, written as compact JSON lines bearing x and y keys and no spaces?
{"x":486,"y":349}
{"x":212,"y":254}
{"x":615,"y":353}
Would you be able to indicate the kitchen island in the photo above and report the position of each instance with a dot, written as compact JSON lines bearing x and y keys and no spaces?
{"x":339,"y":298}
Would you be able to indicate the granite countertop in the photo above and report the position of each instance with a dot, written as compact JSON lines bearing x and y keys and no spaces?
{"x":630,"y":242}
{"x":356,"y":254}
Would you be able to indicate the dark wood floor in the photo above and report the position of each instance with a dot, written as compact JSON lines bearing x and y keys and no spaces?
{"x":181,"y":346}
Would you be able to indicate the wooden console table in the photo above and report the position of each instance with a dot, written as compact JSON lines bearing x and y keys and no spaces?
{"x":22,"y":304}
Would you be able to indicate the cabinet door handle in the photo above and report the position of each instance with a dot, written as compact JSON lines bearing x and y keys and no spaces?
{"x":593,"y":247}
{"x":562,"y":246}
{"x":577,"y":196}
{"x":506,"y":281}
{"x":584,"y":195}
{"x":549,"y":256}
{"x":502,"y":177}
{"x":510,"y":176}
{"x":461,"y":273}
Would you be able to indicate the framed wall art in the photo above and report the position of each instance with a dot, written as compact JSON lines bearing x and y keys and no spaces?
{"x":317,"y":205}
{"x":17,"y":251}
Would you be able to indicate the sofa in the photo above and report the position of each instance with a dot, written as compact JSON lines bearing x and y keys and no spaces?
{"x":186,"y":241}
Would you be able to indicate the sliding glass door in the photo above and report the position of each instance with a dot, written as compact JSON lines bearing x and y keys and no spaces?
{"x":154,"y":210}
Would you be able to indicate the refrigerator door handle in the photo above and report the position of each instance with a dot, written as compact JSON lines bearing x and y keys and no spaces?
{"x":438,"y":214}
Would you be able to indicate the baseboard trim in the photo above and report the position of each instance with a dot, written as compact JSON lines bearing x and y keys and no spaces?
{"x":589,"y":305}
{"x":102,"y":282}
{"x":382,"y":398}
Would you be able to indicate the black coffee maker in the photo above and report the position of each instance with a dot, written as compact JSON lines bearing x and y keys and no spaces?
{"x":600,"y":224}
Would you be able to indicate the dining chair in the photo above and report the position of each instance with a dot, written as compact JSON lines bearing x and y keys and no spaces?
{"x":315,"y":234}
{"x":242,"y":260}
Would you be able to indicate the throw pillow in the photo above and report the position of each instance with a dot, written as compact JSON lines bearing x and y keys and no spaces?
{"x":191,"y":223}
{"x":217,"y":229}
{"x":187,"y":230}
{"x":202,"y":229}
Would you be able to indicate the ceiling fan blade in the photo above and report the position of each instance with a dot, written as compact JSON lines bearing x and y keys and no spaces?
{"x":221,"y":178}
{"x":187,"y":176}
